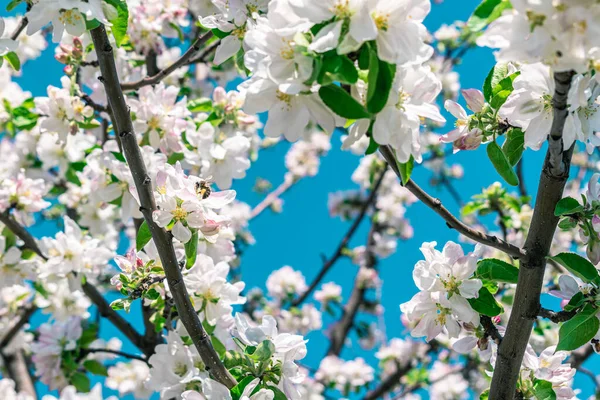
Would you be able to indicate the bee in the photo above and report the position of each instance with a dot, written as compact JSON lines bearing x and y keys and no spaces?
{"x":203,"y":188}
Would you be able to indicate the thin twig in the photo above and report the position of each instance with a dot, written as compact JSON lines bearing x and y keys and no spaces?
{"x":22,"y":24}
{"x":118,"y":353}
{"x":451,"y":220}
{"x":24,"y":317}
{"x":272,"y":197}
{"x":180,"y":62}
{"x":200,"y":58}
{"x":340,"y":249}
{"x":143,"y":184}
{"x":556,"y":317}
{"x":490,"y":329}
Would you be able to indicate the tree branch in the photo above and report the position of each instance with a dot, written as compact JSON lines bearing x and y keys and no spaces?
{"x":16,"y":369}
{"x":24,"y":317}
{"x":180,"y":62}
{"x":9,"y":221}
{"x":340,"y":330}
{"x":388,"y":383}
{"x":557,"y":317}
{"x":22,"y":25}
{"x":526,"y":305}
{"x":143,"y":184}
{"x":451,"y":220}
{"x":344,"y":243}
{"x":272,"y":197}
{"x":490,"y":329}
{"x":202,"y":56}
{"x":118,"y":353}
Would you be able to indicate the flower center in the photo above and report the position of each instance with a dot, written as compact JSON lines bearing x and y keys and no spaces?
{"x":179,"y":213}
{"x":381,"y":21}
{"x":341,"y":9}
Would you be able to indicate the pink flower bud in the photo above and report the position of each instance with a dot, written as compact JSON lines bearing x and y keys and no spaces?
{"x":219,"y":95}
{"x":474,"y":98}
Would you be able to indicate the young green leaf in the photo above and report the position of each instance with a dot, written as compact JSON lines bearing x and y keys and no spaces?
{"x":81,"y":382}
{"x":486,"y":304}
{"x":500,"y":162}
{"x":381,"y":77}
{"x":342,"y":103}
{"x":119,"y":24}
{"x":202,"y":104}
{"x":567,"y":206}
{"x":496,"y":74}
{"x":13,"y":60}
{"x":95,"y":367}
{"x":237,"y":390}
{"x":578,"y":266}
{"x":578,"y":330}
{"x":502,"y":90}
{"x":543,"y":390}
{"x":191,"y":250}
{"x":514,"y":145}
{"x":486,"y":13}
{"x":143,"y":236}
{"x":497,"y":271}
{"x":406,"y":170}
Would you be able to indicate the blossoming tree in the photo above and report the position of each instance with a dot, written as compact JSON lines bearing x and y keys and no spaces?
{"x":139,"y":145}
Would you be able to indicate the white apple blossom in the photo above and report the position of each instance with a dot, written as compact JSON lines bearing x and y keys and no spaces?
{"x":129,"y":378}
{"x":285,"y":283}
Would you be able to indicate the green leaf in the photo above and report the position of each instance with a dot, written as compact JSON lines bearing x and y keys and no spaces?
{"x":496,"y":74}
{"x":502,"y":90}
{"x":219,"y":33}
{"x":486,"y":13}
{"x":91,"y":24}
{"x":406,"y":170}
{"x":119,"y":24}
{"x":237,"y":390}
{"x":497,"y":271}
{"x":71,"y":176}
{"x":11,"y":5}
{"x":500,"y":162}
{"x":219,"y":347}
{"x":92,"y":124}
{"x":381,"y":77}
{"x":373,"y":146}
{"x":202,"y":104}
{"x":95,"y":367}
{"x":342,"y":103}
{"x":279,"y":395}
{"x":173,"y":158}
{"x":578,"y":330}
{"x":143,"y":236}
{"x":263,"y":351}
{"x":543,"y":390}
{"x":514,"y":145}
{"x":578,"y":266}
{"x":13,"y":60}
{"x":486,"y":304}
{"x":81,"y":382}
{"x":566,"y":206}
{"x":89,"y":334}
{"x":576,"y":301}
{"x":336,"y":68}
{"x":191,"y":250}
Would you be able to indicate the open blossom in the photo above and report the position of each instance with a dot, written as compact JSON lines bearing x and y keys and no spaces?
{"x":6,"y":45}
{"x":413,"y":91}
{"x":187,"y":202}
{"x":54,"y":338}
{"x":209,"y":283}
{"x":24,"y":195}
{"x":529,"y":106}
{"x":69,"y":15}
{"x":463,"y":136}
{"x":352,"y":374}
{"x":560,"y":34}
{"x":74,"y":251}
{"x":285,"y":283}
{"x":329,"y":291}
{"x":173,"y":366}
{"x":128,"y":378}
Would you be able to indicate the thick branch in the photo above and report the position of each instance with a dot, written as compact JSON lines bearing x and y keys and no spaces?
{"x":180,"y":62}
{"x":451,"y":220}
{"x":143,"y":184}
{"x":16,"y":369}
{"x":526,"y":306}
{"x":340,"y":249}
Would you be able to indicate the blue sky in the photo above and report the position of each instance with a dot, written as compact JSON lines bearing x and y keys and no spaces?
{"x":304,"y":231}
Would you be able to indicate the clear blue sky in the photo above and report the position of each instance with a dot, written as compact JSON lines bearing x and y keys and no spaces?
{"x":304,"y":231}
